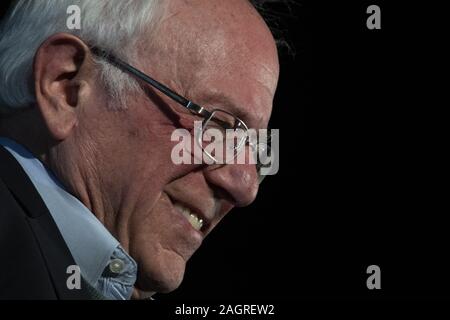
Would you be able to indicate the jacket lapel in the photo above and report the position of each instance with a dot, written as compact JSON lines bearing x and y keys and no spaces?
{"x":52,"y":246}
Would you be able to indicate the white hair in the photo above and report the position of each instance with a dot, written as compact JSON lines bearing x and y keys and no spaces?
{"x":115,"y":25}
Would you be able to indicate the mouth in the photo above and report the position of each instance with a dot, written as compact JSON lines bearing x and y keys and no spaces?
{"x":192,"y":217}
{"x":195,"y":217}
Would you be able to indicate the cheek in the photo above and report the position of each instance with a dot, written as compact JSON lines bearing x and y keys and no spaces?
{"x":161,"y":228}
{"x":148,"y":156}
{"x":159,"y":248}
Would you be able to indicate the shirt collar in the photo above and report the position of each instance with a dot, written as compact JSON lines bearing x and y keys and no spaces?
{"x":89,"y":242}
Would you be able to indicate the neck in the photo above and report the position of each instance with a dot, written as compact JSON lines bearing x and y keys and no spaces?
{"x":27,"y":128}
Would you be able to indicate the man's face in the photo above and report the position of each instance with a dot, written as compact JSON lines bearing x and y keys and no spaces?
{"x":219,"y":54}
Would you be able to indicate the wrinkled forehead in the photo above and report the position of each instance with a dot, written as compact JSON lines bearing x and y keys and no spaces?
{"x":222,"y":49}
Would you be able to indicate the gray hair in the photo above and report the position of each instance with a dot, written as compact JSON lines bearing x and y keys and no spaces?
{"x":112,"y":24}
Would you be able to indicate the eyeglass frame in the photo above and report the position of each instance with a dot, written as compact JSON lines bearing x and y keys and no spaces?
{"x":186,"y":103}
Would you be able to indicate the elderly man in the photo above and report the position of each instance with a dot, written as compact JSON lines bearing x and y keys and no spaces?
{"x":87,"y":182}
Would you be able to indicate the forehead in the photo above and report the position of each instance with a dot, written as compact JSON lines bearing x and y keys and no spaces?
{"x":219,"y":53}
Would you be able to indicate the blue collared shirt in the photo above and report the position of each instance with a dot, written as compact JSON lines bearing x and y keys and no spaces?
{"x":104,"y":264}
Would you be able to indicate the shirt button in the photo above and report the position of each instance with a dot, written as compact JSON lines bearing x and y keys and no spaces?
{"x":116,"y":266}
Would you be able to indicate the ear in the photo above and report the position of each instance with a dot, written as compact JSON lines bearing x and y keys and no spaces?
{"x":60,"y":66}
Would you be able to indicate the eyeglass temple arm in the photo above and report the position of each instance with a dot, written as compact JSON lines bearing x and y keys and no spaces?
{"x":195,"y":108}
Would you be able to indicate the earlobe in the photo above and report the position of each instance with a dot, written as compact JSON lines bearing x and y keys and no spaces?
{"x":60,"y":69}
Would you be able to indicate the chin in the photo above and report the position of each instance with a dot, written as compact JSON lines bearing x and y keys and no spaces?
{"x":161,"y":275}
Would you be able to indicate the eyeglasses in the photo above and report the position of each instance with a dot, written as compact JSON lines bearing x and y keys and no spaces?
{"x":215,"y":120}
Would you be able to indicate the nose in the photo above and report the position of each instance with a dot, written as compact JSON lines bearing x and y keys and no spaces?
{"x":240,"y":181}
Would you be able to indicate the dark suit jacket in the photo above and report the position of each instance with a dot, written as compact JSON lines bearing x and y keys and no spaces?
{"x":33,"y":255}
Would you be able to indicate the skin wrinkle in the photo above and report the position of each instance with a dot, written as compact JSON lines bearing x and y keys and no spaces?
{"x":97,"y":203}
{"x":122,"y":225}
{"x":87,"y":190}
{"x":168,"y":251}
{"x":118,"y":163}
{"x":93,"y":181}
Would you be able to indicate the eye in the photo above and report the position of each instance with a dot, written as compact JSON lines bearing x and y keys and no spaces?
{"x":187,"y":121}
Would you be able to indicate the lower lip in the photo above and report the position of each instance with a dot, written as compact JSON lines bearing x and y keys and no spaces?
{"x":186,"y":227}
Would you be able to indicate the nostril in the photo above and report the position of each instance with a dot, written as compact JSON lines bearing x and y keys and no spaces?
{"x":240,"y":182}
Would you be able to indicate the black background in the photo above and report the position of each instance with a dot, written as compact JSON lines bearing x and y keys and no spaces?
{"x":360,"y":180}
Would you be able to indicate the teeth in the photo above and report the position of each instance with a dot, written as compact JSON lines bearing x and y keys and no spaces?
{"x":193,"y":218}
{"x":195,"y":222}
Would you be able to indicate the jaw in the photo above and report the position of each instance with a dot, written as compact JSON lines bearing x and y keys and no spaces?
{"x":142,"y":295}
{"x":163,"y":275}
{"x":161,"y":244}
